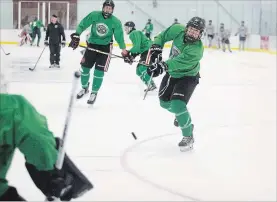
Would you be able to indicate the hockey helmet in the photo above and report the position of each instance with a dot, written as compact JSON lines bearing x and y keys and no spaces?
{"x":194,"y":29}
{"x":129,"y":27}
{"x":107,"y":3}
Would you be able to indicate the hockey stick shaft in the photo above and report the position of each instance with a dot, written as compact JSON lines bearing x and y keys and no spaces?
{"x":4,"y":51}
{"x":32,"y":69}
{"x":148,"y":86}
{"x":60,"y":159}
{"x":114,"y":55}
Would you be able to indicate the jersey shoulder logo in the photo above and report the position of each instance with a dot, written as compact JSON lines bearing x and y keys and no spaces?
{"x":102,"y":29}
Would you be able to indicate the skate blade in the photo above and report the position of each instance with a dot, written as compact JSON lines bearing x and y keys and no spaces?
{"x":186,"y":149}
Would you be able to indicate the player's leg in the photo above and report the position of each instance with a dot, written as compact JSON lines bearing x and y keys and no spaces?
{"x":87,"y":63}
{"x":180,"y":97}
{"x":101,"y":65}
{"x":39,"y":36}
{"x":52,"y":54}
{"x":165,"y":91}
{"x":228,"y":45}
{"x":58,"y":52}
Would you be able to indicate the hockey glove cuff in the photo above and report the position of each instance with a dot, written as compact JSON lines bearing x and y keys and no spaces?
{"x":75,"y":41}
{"x":156,"y":53}
{"x":156,"y":69}
{"x":46,"y":42}
{"x":128,"y":58}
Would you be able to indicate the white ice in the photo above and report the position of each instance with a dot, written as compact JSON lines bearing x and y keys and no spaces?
{"x":233,"y":109}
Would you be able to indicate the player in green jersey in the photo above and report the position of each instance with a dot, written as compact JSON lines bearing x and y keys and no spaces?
{"x":36,"y":26}
{"x":141,"y":46}
{"x":104,"y":25}
{"x":182,"y":72}
{"x":23,"y":127}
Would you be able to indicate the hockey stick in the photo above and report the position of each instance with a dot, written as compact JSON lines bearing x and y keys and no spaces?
{"x":61,"y":153}
{"x":114,"y":55}
{"x":32,"y":69}
{"x":4,"y":51}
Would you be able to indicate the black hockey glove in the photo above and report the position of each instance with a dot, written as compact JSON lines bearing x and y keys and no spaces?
{"x":63,"y":43}
{"x":46,"y":42}
{"x":156,"y":53}
{"x":128,"y":58}
{"x":75,"y":40}
{"x":156,"y":69}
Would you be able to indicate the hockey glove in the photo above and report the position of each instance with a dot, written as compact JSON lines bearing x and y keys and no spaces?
{"x":128,"y":58}
{"x":156,"y":53}
{"x":46,"y":43}
{"x":75,"y":40}
{"x":63,"y":44}
{"x":156,"y":69}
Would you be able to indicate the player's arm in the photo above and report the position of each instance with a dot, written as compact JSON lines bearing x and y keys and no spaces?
{"x":62,"y":32}
{"x":187,"y":60}
{"x":151,"y":27}
{"x":47,"y":33}
{"x":86,"y":22}
{"x":118,"y":35}
{"x":135,"y":37}
{"x":168,"y":35}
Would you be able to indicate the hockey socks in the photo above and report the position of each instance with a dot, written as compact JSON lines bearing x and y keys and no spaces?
{"x":141,"y":72}
{"x":85,"y":74}
{"x":179,"y":108}
{"x":97,"y":80}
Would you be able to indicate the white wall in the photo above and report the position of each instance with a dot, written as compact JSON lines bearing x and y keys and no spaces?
{"x":253,"y":42}
{"x":6,"y":14}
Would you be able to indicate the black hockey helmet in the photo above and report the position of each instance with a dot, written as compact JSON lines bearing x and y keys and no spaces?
{"x":195,"y":23}
{"x":107,"y":3}
{"x":129,"y":27}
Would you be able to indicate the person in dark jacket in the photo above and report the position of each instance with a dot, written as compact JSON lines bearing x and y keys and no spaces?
{"x":54,"y":32}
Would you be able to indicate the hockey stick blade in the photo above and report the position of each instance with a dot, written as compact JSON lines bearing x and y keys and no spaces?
{"x":4,"y":51}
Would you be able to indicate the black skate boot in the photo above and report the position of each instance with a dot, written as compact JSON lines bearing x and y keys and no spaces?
{"x":83,"y":92}
{"x":92,"y":98}
{"x":176,"y":123}
{"x":186,"y":143}
{"x":151,"y":87}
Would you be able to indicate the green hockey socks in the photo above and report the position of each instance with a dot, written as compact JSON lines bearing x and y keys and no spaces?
{"x":142,"y":73}
{"x":179,"y":108}
{"x":97,"y":79}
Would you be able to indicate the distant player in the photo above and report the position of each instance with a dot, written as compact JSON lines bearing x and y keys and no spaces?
{"x":22,"y":127}
{"x":26,"y":35}
{"x":242,"y":31}
{"x":56,"y":35}
{"x":210,"y":33}
{"x":148,"y":29}
{"x":182,"y":72}
{"x":141,"y":45}
{"x":104,"y":25}
{"x":225,"y":40}
{"x":36,"y":26}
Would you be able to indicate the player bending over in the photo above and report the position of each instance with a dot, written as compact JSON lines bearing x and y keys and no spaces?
{"x":104,"y":25}
{"x":23,"y":127}
{"x":25,"y":35}
{"x":141,"y":45}
{"x":182,"y":72}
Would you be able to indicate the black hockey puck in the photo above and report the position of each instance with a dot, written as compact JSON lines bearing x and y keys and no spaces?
{"x":77,"y":74}
{"x":135,"y":137}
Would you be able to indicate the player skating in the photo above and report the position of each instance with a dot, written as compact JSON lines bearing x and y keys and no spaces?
{"x":182,"y":72}
{"x":104,"y":25}
{"x":242,"y":32}
{"x":141,"y":45}
{"x":210,"y":33}
{"x":23,"y":127}
{"x":25,"y":35}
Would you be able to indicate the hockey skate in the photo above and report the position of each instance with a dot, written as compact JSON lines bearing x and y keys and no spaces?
{"x":57,"y":65}
{"x":186,"y":143}
{"x":92,"y":98}
{"x":151,"y":87}
{"x":83,"y":92}
{"x":52,"y":66}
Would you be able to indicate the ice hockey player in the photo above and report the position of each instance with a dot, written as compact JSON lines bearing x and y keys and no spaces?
{"x":23,"y":127}
{"x":26,"y":34}
{"x":242,"y":31}
{"x":182,"y":72}
{"x":55,"y":32}
{"x":225,"y":40}
{"x":104,"y":25}
{"x":148,"y":29}
{"x":141,"y":45}
{"x":36,"y":25}
{"x":210,"y":33}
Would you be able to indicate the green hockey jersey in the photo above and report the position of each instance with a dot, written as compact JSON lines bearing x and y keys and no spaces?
{"x":22,"y":127}
{"x":140,"y":42}
{"x":36,"y":24}
{"x":184,"y":58}
{"x":102,"y":29}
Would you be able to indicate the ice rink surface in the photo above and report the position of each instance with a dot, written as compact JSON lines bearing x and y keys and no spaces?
{"x":233,"y":109}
